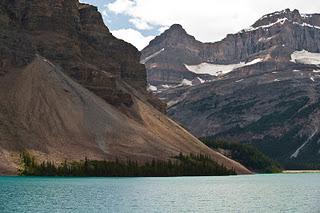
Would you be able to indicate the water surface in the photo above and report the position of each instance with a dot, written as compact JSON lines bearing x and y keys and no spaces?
{"x":253,"y":193}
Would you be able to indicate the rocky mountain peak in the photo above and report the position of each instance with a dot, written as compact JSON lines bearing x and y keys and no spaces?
{"x":287,"y":16}
{"x":91,"y":19}
{"x":177,"y":28}
{"x":175,"y":35}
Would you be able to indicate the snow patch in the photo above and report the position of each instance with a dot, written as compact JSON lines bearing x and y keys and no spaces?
{"x":255,"y":61}
{"x":263,"y":39}
{"x":171,"y":103}
{"x":276,"y":80}
{"x":306,"y":25}
{"x":201,"y":80}
{"x":272,"y":14}
{"x":312,"y":79}
{"x":305,"y":57}
{"x":219,"y":69}
{"x":213,"y":69}
{"x":239,"y":80}
{"x":296,"y":153}
{"x":296,"y":70}
{"x":306,"y":16}
{"x":186,"y":82}
{"x":316,"y":71}
{"x":279,"y":21}
{"x":146,"y":59}
{"x":152,"y":88}
{"x":166,"y":86}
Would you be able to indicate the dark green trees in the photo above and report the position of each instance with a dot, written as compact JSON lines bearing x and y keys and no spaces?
{"x":247,"y":155}
{"x":182,"y":165}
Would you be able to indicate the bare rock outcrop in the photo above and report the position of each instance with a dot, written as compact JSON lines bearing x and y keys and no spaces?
{"x":74,"y":36}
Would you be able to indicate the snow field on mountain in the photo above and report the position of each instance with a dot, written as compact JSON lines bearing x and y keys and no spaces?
{"x":305,"y":57}
{"x":219,"y":69}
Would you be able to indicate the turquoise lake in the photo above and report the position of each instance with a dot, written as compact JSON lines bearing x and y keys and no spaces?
{"x":253,"y":193}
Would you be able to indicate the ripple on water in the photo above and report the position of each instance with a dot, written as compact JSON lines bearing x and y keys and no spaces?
{"x":254,"y":193}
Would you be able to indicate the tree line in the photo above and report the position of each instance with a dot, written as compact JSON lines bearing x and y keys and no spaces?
{"x":181,"y":165}
{"x":247,"y":155}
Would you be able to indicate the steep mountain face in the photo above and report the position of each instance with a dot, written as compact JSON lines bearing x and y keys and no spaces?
{"x":71,"y":90}
{"x":272,"y":38}
{"x":288,"y":29}
{"x":166,"y":54}
{"x":265,"y":89}
{"x":74,"y":36}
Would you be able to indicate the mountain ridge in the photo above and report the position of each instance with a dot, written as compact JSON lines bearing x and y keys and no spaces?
{"x":278,"y":38}
{"x":262,"y":89}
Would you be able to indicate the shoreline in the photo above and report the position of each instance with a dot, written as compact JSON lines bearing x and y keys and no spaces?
{"x":300,"y":171}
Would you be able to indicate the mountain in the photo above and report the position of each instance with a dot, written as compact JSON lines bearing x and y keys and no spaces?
{"x":264,"y":88}
{"x":69,"y":90}
{"x":166,"y":54}
{"x":272,"y":38}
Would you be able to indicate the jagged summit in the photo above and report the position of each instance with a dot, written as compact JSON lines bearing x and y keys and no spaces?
{"x":169,"y":49}
{"x":287,"y":16}
{"x":174,"y":29}
{"x":173,"y":36}
{"x":272,"y":17}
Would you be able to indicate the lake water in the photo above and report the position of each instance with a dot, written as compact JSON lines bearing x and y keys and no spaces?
{"x":254,"y":193}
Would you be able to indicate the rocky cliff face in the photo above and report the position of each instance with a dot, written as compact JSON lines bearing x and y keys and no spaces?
{"x":73,"y":35}
{"x":277,"y":34}
{"x":286,"y":28}
{"x":71,"y":90}
{"x":264,"y":88}
{"x":166,"y":54}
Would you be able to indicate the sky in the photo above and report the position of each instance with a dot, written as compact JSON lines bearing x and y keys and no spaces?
{"x":139,"y":21}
